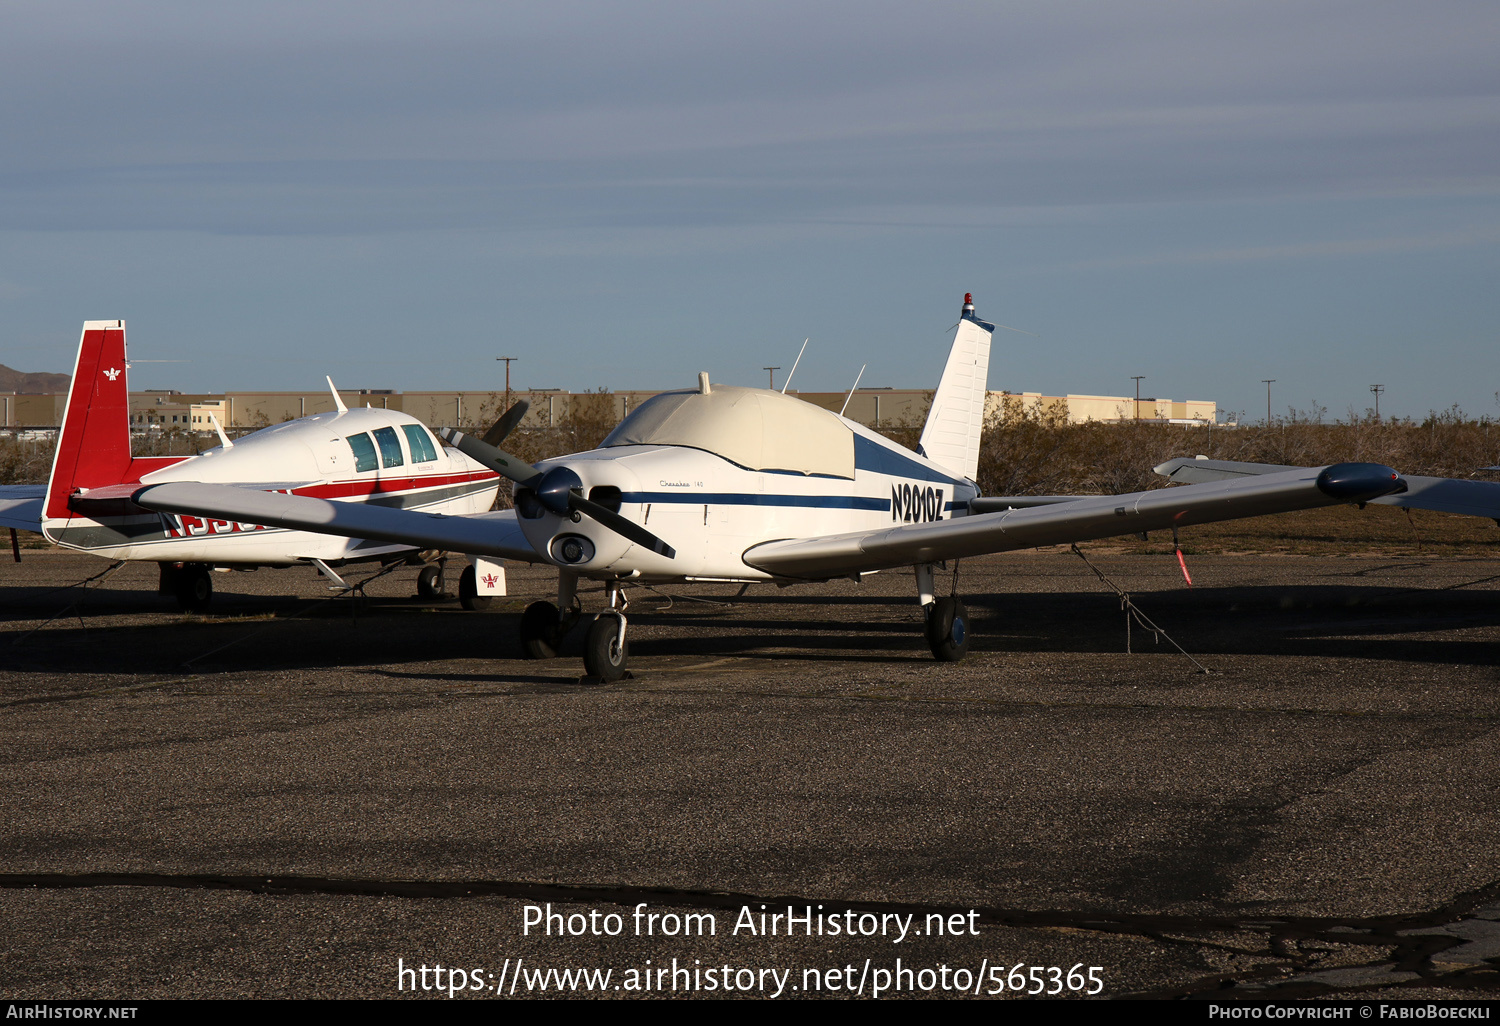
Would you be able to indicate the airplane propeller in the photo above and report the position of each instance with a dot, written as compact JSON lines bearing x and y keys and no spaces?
{"x":560,"y":490}
{"x":507,"y":423}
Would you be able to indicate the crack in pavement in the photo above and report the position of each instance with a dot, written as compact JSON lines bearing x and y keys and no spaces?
{"x":1457,"y":944}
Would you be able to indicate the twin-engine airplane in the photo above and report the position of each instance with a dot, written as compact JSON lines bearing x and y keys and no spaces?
{"x":377,"y":457}
{"x":722,"y":483}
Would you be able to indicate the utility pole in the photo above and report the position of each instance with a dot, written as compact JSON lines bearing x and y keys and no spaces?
{"x":1377,"y":389}
{"x":507,"y":360}
{"x":772,"y":375}
{"x":1268,"y":382}
{"x":1137,"y":379}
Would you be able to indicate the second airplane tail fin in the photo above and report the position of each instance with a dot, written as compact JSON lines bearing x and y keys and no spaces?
{"x":950,"y":437}
{"x":93,"y":446}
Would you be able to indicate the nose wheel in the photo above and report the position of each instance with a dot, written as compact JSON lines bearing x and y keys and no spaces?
{"x":605,"y":650}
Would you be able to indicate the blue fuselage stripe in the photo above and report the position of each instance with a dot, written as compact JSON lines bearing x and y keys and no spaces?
{"x":758,"y":499}
{"x":876,"y":458}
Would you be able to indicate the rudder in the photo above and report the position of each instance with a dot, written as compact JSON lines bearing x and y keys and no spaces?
{"x":955,"y":422}
{"x":93,"y":445}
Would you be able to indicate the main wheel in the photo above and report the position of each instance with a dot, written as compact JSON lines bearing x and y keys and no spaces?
{"x":468,"y":592}
{"x":427,"y":583}
{"x":603,"y":655}
{"x":948,"y":629}
{"x":541,"y":631}
{"x":194,"y":588}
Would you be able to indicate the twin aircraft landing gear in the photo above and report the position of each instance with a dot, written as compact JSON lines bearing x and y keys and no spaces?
{"x":189,"y":583}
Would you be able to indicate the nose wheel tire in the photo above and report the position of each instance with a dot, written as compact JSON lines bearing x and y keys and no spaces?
{"x":427,"y":583}
{"x":541,"y":631}
{"x":468,"y":592}
{"x":948,"y":629}
{"x":605,"y":653}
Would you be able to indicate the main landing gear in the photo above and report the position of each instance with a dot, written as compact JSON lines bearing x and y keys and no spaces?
{"x":430,"y":581}
{"x":605,"y":649}
{"x":189,"y":583}
{"x":947,"y":627}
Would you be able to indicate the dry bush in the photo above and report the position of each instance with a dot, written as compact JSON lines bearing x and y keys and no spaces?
{"x":23,"y":461}
{"x":1038,"y":454}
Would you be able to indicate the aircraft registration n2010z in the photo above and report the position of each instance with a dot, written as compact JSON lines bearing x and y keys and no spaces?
{"x":733,"y":484}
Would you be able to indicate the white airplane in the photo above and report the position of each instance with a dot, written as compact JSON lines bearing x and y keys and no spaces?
{"x":379,"y":457}
{"x":729,"y":484}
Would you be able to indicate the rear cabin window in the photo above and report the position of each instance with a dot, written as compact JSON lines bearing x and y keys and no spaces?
{"x":364,"y":452}
{"x":390,"y":446}
{"x":420,"y":441}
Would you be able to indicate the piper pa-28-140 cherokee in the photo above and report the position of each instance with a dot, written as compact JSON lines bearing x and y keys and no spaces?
{"x":731,"y":484}
{"x":369,"y":456}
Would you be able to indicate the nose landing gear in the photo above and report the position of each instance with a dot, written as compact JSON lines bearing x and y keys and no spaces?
{"x":605,"y":650}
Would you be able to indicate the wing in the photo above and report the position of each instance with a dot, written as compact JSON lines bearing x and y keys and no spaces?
{"x":21,"y":507}
{"x":1444,"y":494}
{"x":1079,"y":520}
{"x":479,"y":534}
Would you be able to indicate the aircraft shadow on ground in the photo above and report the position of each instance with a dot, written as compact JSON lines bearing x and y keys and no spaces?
{"x":256,"y":632}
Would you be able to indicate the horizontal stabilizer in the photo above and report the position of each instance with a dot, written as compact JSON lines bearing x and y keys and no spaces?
{"x":479,"y":534}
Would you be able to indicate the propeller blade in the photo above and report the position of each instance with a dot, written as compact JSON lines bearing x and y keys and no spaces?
{"x":506,"y":424}
{"x":501,"y":462}
{"x":625,"y":528}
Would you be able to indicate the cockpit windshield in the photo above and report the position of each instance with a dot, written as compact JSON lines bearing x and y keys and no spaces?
{"x":751,"y":427}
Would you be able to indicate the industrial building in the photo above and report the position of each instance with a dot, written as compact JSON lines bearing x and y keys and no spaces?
{"x":157,"y":410}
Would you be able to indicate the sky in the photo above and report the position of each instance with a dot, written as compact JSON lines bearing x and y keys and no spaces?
{"x":621,"y":195}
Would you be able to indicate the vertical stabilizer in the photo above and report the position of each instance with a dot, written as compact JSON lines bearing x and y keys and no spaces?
{"x":93,"y":446}
{"x":950,"y":437}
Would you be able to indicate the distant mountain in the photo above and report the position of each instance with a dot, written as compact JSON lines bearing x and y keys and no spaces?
{"x":16,"y":381}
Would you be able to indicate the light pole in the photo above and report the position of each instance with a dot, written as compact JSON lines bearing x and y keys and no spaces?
{"x":1137,"y":379}
{"x":1377,"y":389}
{"x":1268,"y":382}
{"x":507,"y":360}
{"x":772,"y":376}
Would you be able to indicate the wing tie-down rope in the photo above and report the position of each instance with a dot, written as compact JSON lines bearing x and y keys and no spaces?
{"x":1133,"y":612}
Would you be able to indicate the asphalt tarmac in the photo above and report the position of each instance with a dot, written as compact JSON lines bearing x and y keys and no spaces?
{"x":301,"y":796}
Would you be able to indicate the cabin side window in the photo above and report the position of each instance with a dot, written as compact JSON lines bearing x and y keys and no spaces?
{"x":364,"y":452}
{"x":390,"y":446}
{"x":420,"y":441}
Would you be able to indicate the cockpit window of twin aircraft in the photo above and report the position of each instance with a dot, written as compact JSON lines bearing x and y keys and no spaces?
{"x":420,"y":441}
{"x":390,"y":447}
{"x":364,"y":452}
{"x":390,"y":455}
